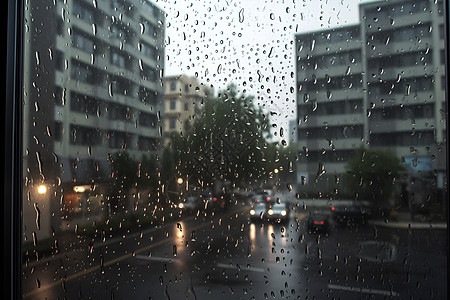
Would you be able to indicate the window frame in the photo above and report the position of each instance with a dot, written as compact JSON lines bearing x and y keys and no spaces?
{"x":12,"y":27}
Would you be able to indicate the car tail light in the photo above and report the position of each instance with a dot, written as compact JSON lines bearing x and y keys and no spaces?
{"x":315,"y":222}
{"x":215,"y":199}
{"x":223,"y":203}
{"x":268,"y":199}
{"x":321,"y":222}
{"x":332,"y":208}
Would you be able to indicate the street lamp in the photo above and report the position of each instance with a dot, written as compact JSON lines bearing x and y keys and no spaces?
{"x":180,"y":180}
{"x":42,"y":189}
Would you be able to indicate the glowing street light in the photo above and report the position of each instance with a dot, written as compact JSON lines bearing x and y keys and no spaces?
{"x":42,"y":189}
{"x":276,"y":171}
{"x":180,"y":180}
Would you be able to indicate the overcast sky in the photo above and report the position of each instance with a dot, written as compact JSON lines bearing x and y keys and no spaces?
{"x":248,"y":42}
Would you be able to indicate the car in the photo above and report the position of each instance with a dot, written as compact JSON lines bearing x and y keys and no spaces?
{"x":351,"y":213}
{"x":258,"y":211}
{"x":191,"y":204}
{"x":319,"y":221}
{"x":278,"y":211}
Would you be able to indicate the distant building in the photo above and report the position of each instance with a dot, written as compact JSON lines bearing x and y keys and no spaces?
{"x":329,"y":103}
{"x":183,"y":97}
{"x":380,"y":83}
{"x":92,"y":86}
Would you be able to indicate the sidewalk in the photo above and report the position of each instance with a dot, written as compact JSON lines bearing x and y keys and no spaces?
{"x":405,"y":220}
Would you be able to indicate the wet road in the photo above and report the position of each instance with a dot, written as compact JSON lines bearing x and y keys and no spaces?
{"x":229,"y":257}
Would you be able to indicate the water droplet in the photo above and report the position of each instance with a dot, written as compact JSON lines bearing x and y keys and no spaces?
{"x":142,"y":26}
{"x":241,"y":15}
{"x":313,"y":43}
{"x":110,"y":91}
{"x":174,"y":250}
{"x":34,"y":236}
{"x":407,"y":90}
{"x":38,"y":216}
{"x":347,"y":72}
{"x":305,"y":98}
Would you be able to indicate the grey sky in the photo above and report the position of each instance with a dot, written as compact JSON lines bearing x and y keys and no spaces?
{"x":248,"y":42}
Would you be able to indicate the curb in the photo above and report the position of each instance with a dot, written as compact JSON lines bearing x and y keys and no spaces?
{"x":410,"y":225}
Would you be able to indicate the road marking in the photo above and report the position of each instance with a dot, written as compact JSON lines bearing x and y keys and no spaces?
{"x":387,"y":252}
{"x":116,"y":260}
{"x":50,"y":258}
{"x":362,"y":290}
{"x":160,"y":259}
{"x":252,"y":269}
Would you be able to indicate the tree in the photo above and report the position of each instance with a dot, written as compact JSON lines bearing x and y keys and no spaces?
{"x":226,"y":142}
{"x":371,"y":175}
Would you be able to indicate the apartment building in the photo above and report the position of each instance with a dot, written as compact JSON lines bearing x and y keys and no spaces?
{"x":93,"y":87}
{"x":183,"y":96}
{"x":380,"y":84}
{"x":329,"y":103}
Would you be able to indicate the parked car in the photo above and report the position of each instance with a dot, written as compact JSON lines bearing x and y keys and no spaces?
{"x":351,"y":213}
{"x":319,"y":221}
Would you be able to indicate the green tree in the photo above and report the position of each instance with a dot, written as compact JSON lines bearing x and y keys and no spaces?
{"x":371,"y":175}
{"x":227,"y":141}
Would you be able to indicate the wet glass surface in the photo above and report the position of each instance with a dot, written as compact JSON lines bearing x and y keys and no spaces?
{"x":234,"y":149}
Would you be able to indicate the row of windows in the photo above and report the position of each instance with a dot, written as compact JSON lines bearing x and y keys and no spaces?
{"x":326,"y":156}
{"x":419,"y":111}
{"x":330,"y":132}
{"x":114,"y":111}
{"x":87,"y":136}
{"x":88,"y":44}
{"x":406,"y":139}
{"x":401,"y":60}
{"x":345,"y":58}
{"x":405,"y":86}
{"x":89,"y":105}
{"x":326,"y":38}
{"x":332,"y":108}
{"x":116,"y":84}
{"x":330,"y":83}
{"x":400,"y":9}
{"x":411,"y":33}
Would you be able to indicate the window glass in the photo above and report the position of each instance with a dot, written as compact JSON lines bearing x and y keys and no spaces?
{"x":234,"y":149}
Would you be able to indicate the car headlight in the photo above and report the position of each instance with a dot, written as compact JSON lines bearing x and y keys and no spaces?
{"x":181,"y":205}
{"x":283,"y":213}
{"x":270,"y":212}
{"x":252,"y":212}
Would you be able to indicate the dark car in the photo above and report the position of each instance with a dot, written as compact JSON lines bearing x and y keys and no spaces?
{"x":351,"y":213}
{"x":319,"y":221}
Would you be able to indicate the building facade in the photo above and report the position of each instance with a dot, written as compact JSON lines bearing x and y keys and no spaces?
{"x":93,"y":87}
{"x":183,"y":97}
{"x":378,"y":84}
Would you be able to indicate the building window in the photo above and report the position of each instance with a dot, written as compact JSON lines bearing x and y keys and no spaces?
{"x":118,"y":59}
{"x":82,"y":42}
{"x":172,"y":123}
{"x":83,"y":12}
{"x":173,"y":104}
{"x":58,"y":132}
{"x":173,"y":85}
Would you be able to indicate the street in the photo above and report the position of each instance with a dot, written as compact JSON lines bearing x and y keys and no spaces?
{"x":228,"y":257}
